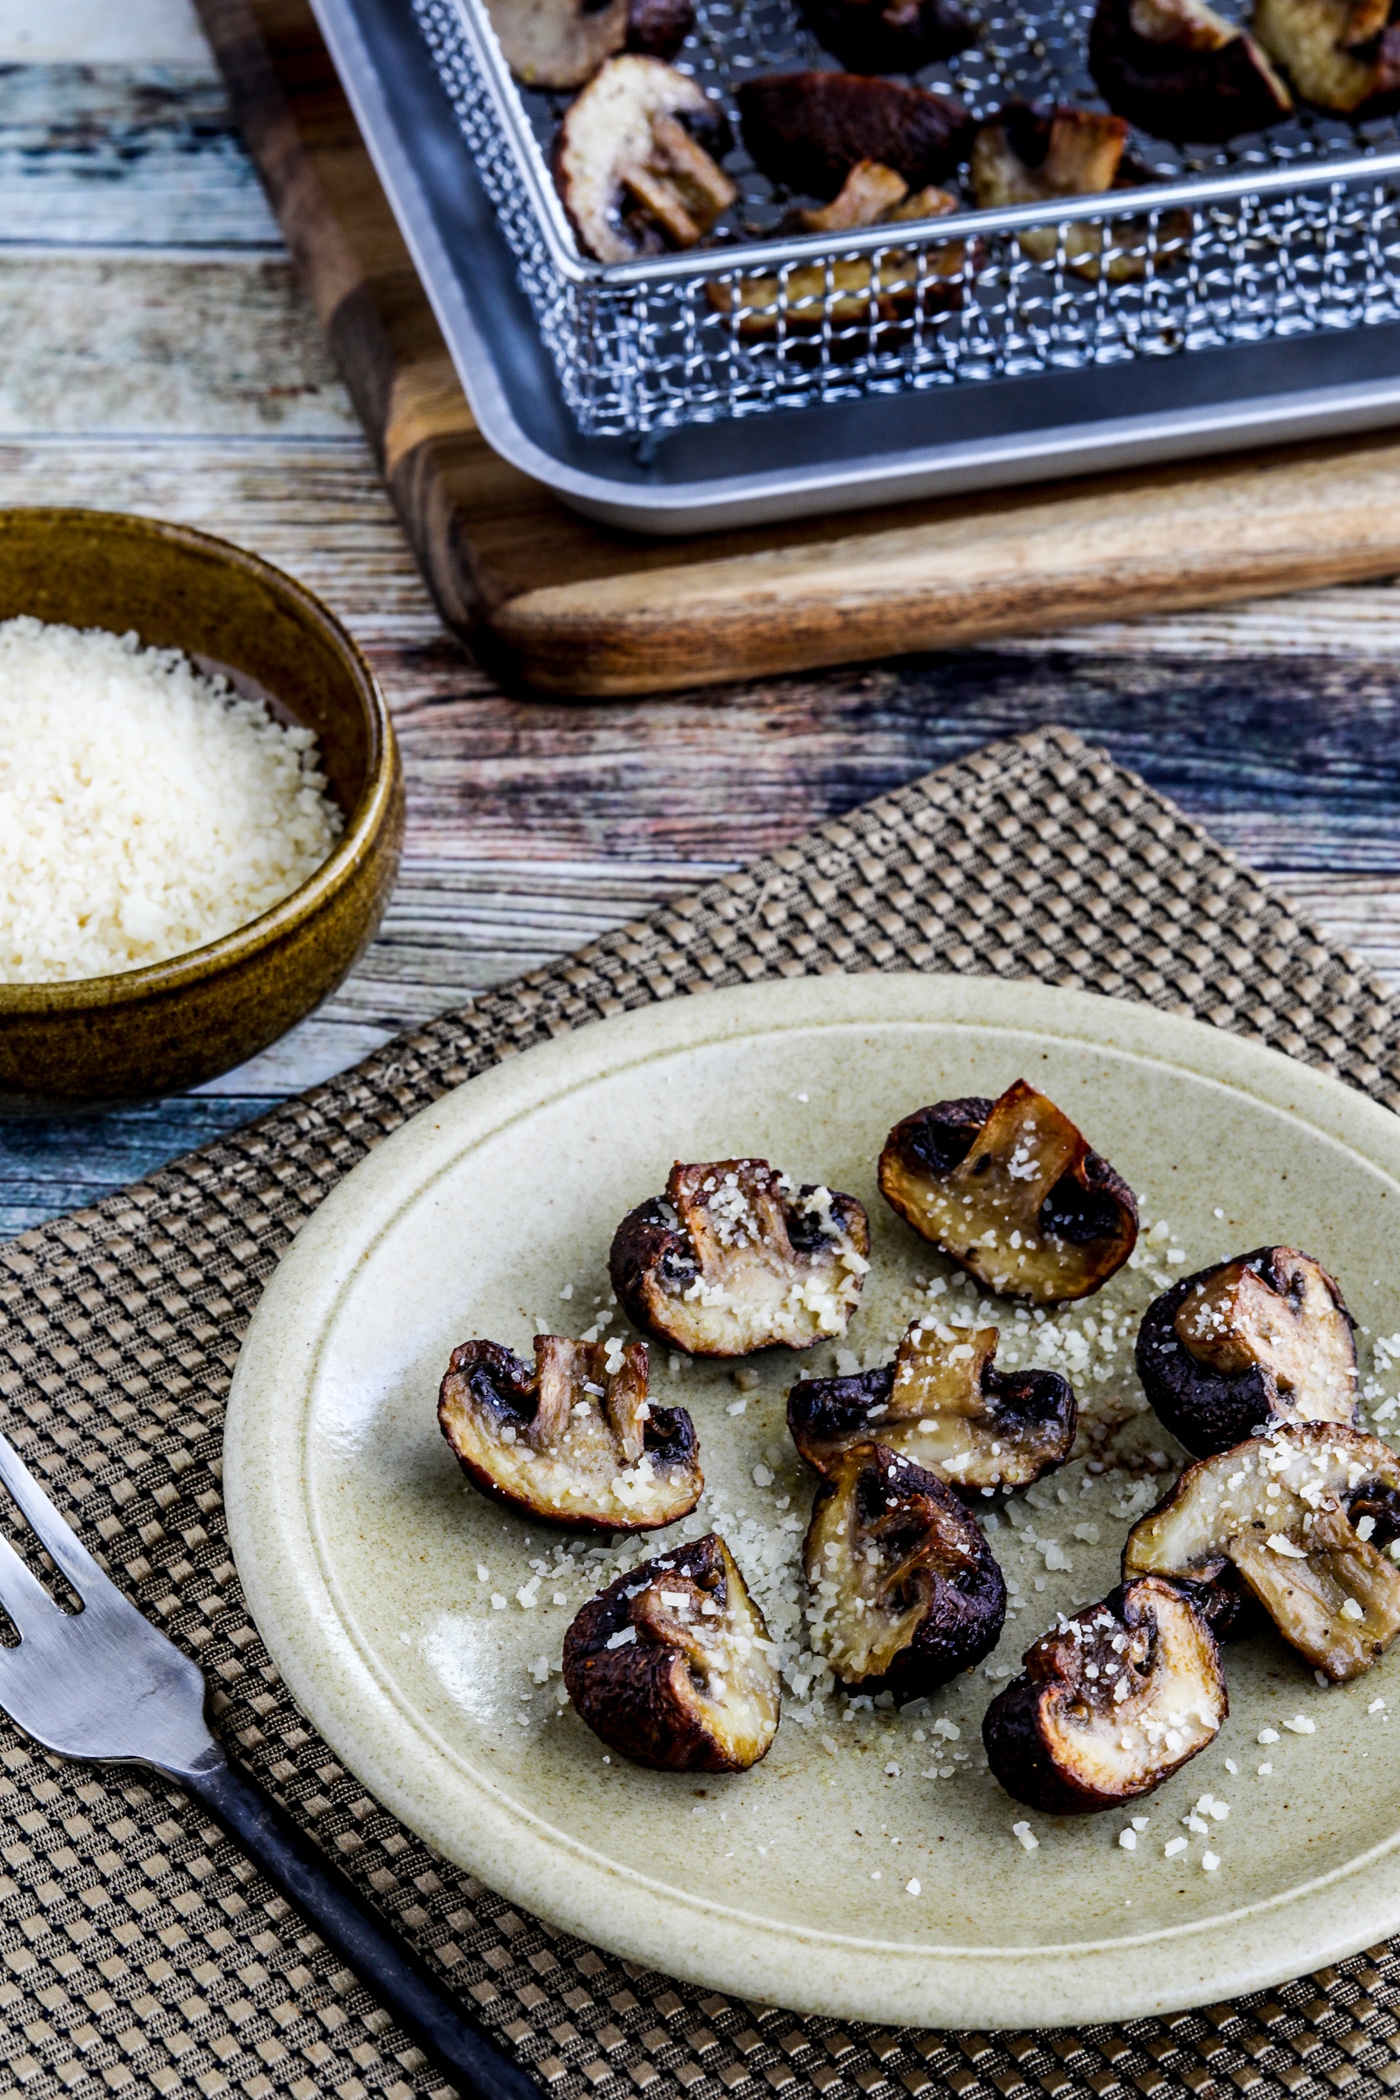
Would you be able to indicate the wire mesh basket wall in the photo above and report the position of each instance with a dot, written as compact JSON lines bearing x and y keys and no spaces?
{"x":1293,"y":231}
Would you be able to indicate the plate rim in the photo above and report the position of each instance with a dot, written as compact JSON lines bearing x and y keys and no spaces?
{"x":276,"y":1552}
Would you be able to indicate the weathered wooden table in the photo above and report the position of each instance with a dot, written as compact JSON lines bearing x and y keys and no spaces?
{"x":156,"y":355}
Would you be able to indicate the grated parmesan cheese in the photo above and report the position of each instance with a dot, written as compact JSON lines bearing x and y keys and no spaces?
{"x":145,"y":810}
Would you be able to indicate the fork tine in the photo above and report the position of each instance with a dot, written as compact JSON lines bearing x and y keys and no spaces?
{"x":59,"y":1542}
{"x":22,"y":1595}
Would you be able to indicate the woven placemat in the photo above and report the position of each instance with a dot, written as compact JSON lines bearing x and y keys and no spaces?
{"x":140,"y":1952}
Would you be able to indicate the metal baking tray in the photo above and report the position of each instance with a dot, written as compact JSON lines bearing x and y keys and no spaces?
{"x":1339,"y":372}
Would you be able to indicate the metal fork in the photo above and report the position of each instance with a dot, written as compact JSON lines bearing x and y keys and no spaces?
{"x":105,"y":1686}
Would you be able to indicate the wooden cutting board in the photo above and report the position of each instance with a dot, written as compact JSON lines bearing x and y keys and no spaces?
{"x":551,"y":601}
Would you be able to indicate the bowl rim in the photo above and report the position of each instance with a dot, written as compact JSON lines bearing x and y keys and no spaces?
{"x":196,"y":965}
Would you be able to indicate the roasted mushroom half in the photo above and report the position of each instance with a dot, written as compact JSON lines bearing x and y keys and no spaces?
{"x":1231,"y":1350}
{"x":1110,"y":1704}
{"x":889,"y":36}
{"x":1033,"y":154}
{"x":659,"y":27}
{"x":734,"y":1258}
{"x":903,"y":1590}
{"x":1181,"y":71}
{"x":1294,"y":1517}
{"x":941,"y":1403}
{"x":635,"y":161}
{"x":1011,"y":1190}
{"x":1342,"y":54}
{"x":808,"y":130}
{"x":573,"y":1441}
{"x":557,"y":43}
{"x":672,"y":1664}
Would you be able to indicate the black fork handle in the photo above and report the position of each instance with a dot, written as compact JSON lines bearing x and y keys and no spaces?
{"x":384,"y":1965}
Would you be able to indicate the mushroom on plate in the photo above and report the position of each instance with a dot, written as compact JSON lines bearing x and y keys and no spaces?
{"x":889,"y":36}
{"x":1181,"y":71}
{"x":672,"y":1664}
{"x":576,"y":1441}
{"x":851,"y":291}
{"x":808,"y":130}
{"x":1110,"y":1704}
{"x":903,"y":1589}
{"x":1340,"y":54}
{"x":734,"y":1258}
{"x":1231,"y":1350}
{"x":1033,"y":154}
{"x":1291,"y":1520}
{"x":635,"y":161}
{"x":1012,"y":1192}
{"x":941,"y":1403}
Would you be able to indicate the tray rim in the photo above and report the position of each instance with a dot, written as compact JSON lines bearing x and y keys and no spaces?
{"x":287,"y":1592}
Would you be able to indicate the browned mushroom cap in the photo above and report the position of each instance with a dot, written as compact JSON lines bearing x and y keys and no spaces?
{"x":941,"y":1404}
{"x":1262,"y":1339}
{"x":1011,"y":1190}
{"x":1343,"y":54}
{"x":1275,"y":1514}
{"x":672,"y":1664}
{"x":889,"y":36}
{"x":1182,"y":71}
{"x":1110,"y":1704}
{"x":808,"y":130}
{"x":734,"y":1258}
{"x":634,"y":162}
{"x":903,"y":1589}
{"x":557,"y":43}
{"x":571,"y":1442}
{"x":659,"y":27}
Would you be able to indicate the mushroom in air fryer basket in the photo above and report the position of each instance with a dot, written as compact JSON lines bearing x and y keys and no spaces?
{"x":889,"y":36}
{"x":903,"y":1589}
{"x":570,"y":1442}
{"x":735,"y":1258}
{"x":1180,"y":71}
{"x":1231,"y":1350}
{"x":941,"y":1403}
{"x":1032,"y":154}
{"x":1341,"y":54}
{"x":1291,"y":1520}
{"x":1110,"y":1704}
{"x":557,"y":43}
{"x":659,"y":27}
{"x":672,"y":1664}
{"x":808,"y":130}
{"x":1012,"y":1192}
{"x":634,"y":162}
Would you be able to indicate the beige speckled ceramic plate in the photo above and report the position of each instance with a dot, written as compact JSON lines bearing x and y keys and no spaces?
{"x":374,"y":1571}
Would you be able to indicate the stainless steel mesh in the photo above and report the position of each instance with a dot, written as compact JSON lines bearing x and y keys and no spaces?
{"x":1288,"y":232}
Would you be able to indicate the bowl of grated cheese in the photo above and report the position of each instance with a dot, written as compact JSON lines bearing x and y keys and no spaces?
{"x":201,"y":807}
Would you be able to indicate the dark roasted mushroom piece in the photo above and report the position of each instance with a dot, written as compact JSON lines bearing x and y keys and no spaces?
{"x":1011,"y":1191}
{"x":1341,"y":54}
{"x":942,"y":1404}
{"x":1293,"y":1518}
{"x":1232,"y":1350}
{"x":1110,"y":1704}
{"x":889,"y":36}
{"x":672,"y":1664}
{"x":1034,"y":154}
{"x":573,"y":1441}
{"x":808,"y":130}
{"x":735,"y":1258}
{"x":1181,"y":71}
{"x":635,"y":161}
{"x":903,"y":1589}
{"x":659,"y":27}
{"x":557,"y":43}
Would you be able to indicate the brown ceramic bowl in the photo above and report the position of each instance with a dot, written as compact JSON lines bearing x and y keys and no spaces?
{"x":97,"y":1041}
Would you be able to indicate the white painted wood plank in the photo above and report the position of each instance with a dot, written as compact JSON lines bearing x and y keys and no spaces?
{"x":106,"y":155}
{"x":103,"y":32}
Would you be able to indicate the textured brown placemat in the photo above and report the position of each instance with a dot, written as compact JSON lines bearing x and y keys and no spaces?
{"x":139,"y":1951}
